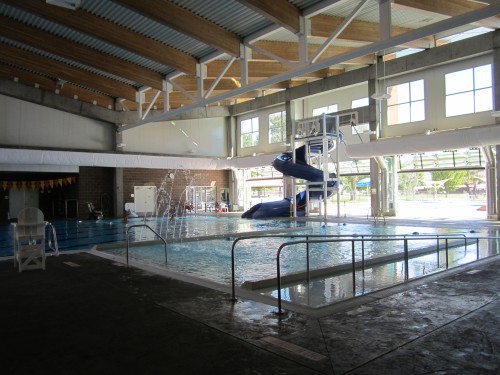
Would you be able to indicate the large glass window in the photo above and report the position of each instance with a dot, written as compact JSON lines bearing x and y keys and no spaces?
{"x":407,"y":103}
{"x":277,"y":127}
{"x":469,"y":91}
{"x":250,"y":132}
{"x":328,"y":109}
{"x":360,"y":128}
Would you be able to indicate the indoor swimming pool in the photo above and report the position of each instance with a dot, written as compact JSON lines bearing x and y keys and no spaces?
{"x":201,"y":247}
{"x":255,"y":259}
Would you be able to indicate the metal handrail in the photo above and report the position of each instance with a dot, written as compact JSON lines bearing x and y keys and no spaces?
{"x":353,"y":240}
{"x":52,"y":230}
{"x":151,"y":229}
{"x":307,"y":236}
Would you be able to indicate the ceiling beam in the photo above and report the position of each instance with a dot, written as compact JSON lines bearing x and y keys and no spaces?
{"x":450,"y":8}
{"x":362,"y":51}
{"x":322,"y":26}
{"x":111,"y":33}
{"x":26,"y":78}
{"x":281,"y":12}
{"x":188,"y":23}
{"x":258,"y":69}
{"x":57,"y":70}
{"x":77,"y":52}
{"x":290,"y":52}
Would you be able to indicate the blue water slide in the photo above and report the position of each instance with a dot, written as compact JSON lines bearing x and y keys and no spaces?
{"x":300,"y":169}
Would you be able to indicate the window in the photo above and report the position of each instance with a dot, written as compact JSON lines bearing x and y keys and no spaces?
{"x":328,"y":109}
{"x":469,"y":91}
{"x":360,"y":128}
{"x":406,"y":103}
{"x":250,"y":132}
{"x":277,"y":127}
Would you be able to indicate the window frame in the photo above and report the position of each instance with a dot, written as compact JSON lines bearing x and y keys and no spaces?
{"x":472,"y":93}
{"x":254,"y":133}
{"x":280,"y":130}
{"x":411,"y":103}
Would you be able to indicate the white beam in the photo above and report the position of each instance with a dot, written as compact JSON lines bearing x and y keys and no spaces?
{"x":362,"y":51}
{"x":339,"y":30}
{"x":221,"y":74}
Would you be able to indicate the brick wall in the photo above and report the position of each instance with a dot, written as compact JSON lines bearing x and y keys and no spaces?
{"x":175,"y":186}
{"x":95,"y":184}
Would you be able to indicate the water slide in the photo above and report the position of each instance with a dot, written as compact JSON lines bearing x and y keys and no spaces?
{"x":300,"y":169}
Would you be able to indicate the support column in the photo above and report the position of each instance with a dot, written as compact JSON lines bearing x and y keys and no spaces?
{"x":494,"y":193}
{"x":291,"y":115}
{"x":374,"y":133}
{"x":119,"y":203}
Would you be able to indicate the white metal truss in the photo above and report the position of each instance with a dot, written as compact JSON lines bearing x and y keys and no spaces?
{"x":387,"y":41}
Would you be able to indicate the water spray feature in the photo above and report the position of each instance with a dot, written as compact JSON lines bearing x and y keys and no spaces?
{"x":170,"y":207}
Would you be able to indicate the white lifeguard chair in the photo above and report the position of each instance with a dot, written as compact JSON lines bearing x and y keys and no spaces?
{"x":29,"y":239}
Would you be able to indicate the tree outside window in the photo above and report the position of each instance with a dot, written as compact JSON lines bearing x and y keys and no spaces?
{"x":277,"y":127}
{"x":250,"y":132}
{"x":469,"y":91}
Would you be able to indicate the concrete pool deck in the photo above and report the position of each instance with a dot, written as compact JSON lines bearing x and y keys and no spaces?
{"x":88,"y":315}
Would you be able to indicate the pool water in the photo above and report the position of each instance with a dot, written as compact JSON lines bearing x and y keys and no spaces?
{"x":255,"y":259}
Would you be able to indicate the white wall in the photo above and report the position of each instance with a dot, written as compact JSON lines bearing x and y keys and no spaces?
{"x":435,"y":108}
{"x":435,"y":117}
{"x":203,"y":137}
{"x":342,"y":97}
{"x":27,"y":124}
{"x":264,"y":146}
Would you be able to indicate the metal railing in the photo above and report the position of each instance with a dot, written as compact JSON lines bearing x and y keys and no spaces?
{"x":151,"y":229}
{"x":324,"y":236}
{"x":406,"y":255}
{"x":52,"y":231}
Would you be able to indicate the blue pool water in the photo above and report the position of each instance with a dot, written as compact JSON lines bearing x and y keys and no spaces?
{"x":255,"y":259}
{"x":210,"y":258}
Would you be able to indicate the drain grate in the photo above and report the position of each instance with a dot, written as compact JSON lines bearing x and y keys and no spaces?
{"x":295,"y":349}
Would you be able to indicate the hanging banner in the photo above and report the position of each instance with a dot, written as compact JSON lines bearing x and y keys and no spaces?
{"x":37,"y":184}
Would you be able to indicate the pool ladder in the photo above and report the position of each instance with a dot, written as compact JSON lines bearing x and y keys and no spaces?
{"x":151,"y":229}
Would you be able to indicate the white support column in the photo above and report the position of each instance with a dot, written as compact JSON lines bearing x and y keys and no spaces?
{"x":201,"y":74}
{"x":139,"y":100}
{"x":167,"y":89}
{"x":385,"y":20}
{"x":305,"y":31}
{"x":245,"y":56}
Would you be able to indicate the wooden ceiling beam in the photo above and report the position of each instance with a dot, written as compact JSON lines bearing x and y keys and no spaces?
{"x":177,"y":18}
{"x":290,"y":51}
{"x":322,"y":26}
{"x":256,"y":69}
{"x":57,"y":70}
{"x":44,"y":83}
{"x":450,"y":8}
{"x":281,"y":12}
{"x":76,"y":52}
{"x":111,"y":33}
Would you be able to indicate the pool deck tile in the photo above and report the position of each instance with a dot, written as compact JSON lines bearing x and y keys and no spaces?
{"x":89,"y":315}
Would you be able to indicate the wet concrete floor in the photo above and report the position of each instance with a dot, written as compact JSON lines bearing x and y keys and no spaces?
{"x":89,"y":315}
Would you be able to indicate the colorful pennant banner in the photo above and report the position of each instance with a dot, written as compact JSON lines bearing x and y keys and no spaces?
{"x":38,"y":184}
